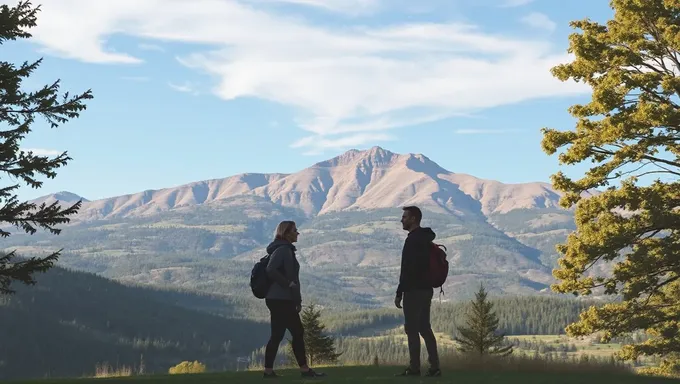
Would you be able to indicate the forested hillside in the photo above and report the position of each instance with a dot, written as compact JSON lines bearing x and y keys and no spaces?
{"x":71,"y":321}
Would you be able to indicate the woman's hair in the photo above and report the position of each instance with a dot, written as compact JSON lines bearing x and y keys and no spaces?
{"x":283,"y":229}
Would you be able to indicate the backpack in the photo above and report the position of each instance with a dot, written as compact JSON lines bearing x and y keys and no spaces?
{"x":259,"y":281}
{"x":439,"y":266}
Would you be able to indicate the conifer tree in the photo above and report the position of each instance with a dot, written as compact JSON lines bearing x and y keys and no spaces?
{"x":320,"y":348}
{"x":18,"y":111}
{"x":630,"y":132}
{"x":480,"y":335}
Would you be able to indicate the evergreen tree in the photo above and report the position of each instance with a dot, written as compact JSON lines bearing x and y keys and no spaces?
{"x":630,"y":132}
{"x":18,"y":111}
{"x":480,"y":336}
{"x":320,"y":348}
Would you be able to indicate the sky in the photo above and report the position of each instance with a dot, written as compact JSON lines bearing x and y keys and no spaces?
{"x":202,"y":89}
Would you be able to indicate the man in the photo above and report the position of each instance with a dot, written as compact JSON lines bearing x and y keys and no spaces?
{"x":416,"y":291}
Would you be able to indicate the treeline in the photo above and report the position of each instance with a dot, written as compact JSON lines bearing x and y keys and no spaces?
{"x":529,"y":315}
{"x":71,"y":321}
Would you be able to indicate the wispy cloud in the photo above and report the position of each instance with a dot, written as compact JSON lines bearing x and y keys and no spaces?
{"x":347,"y":80}
{"x":484,"y":131}
{"x":540,"y":21}
{"x":342,"y":6}
{"x":150,"y":47}
{"x":318,"y":145}
{"x":186,"y":88}
{"x":43,"y":151}
{"x":515,"y":3}
{"x":139,"y":79}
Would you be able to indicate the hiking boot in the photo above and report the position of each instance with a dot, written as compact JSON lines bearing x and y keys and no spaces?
{"x":409,"y":372}
{"x":272,"y":375}
{"x":311,"y":373}
{"x":433,"y":372}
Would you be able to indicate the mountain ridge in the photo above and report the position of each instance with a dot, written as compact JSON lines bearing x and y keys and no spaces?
{"x":363,"y":180}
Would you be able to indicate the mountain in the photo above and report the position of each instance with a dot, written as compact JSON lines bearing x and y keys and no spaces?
{"x":356,"y":180}
{"x":205,"y":235}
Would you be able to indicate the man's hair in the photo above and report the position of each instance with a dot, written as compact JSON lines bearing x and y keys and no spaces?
{"x":283,"y":229}
{"x":414,"y":212}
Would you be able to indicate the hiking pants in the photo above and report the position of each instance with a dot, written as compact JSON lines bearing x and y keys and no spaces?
{"x":284,"y":316}
{"x":416,"y":305}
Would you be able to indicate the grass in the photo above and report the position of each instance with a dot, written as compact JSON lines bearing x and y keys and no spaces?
{"x":457,"y":368}
{"x":106,"y":370}
{"x":383,"y":374}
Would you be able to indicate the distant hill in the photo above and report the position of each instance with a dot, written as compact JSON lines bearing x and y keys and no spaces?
{"x":206,"y":235}
{"x":71,"y":321}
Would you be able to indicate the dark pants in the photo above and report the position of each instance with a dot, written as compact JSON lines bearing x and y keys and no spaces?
{"x":416,"y":305}
{"x":284,"y":316}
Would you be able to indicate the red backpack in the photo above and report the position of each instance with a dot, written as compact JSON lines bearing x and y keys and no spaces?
{"x":439,"y":266}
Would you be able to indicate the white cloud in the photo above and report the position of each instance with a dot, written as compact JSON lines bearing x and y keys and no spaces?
{"x":515,"y":3}
{"x":346,"y":79}
{"x":43,"y":151}
{"x":540,"y":21}
{"x":342,"y":6}
{"x":475,"y":131}
{"x":318,"y":144}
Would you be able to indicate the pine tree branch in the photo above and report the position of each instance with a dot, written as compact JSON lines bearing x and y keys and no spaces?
{"x":22,"y":271}
{"x":14,"y":21}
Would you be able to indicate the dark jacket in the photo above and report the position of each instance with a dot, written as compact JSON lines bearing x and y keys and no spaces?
{"x":415,"y":261}
{"x":283,"y":268}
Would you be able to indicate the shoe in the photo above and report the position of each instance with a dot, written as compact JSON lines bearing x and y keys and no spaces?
{"x":312,"y":373}
{"x":272,"y":375}
{"x":433,"y":372}
{"x":409,"y":372}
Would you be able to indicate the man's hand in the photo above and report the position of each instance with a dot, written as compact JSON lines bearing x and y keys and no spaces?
{"x":397,"y":301}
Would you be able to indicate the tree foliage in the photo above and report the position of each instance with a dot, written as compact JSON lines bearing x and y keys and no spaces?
{"x":18,"y":111}
{"x":630,"y":131}
{"x":319,"y":346}
{"x":481,"y":336}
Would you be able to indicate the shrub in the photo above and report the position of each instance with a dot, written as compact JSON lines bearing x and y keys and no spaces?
{"x":187,"y":367}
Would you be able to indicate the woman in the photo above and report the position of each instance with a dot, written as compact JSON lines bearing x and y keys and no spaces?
{"x":284,"y":299}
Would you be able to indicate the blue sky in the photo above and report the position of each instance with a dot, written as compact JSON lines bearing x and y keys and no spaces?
{"x":193,"y":90}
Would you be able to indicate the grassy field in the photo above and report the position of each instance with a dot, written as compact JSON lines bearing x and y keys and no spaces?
{"x":380,"y":375}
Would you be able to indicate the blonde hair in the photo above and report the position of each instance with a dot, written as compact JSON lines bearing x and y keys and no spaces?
{"x":284,"y":229}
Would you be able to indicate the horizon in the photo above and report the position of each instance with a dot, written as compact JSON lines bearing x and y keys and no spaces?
{"x":272,"y":86}
{"x":257,"y":173}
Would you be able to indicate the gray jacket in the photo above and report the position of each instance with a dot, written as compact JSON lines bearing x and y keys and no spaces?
{"x":283,"y":268}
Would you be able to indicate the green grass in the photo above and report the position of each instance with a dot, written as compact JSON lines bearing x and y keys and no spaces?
{"x":382,"y":374}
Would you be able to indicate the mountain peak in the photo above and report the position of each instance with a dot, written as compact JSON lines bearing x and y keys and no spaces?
{"x":61,"y":196}
{"x":375,"y":155}
{"x":68,"y":197}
